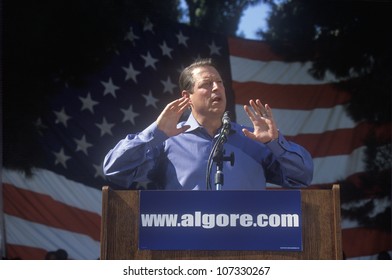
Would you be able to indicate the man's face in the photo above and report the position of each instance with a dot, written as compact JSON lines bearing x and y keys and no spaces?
{"x":208,"y":92}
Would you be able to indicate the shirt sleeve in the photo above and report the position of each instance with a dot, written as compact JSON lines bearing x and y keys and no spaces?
{"x":292,"y":165}
{"x":134,"y":156}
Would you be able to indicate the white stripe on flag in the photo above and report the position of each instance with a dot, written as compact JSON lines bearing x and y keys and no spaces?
{"x":331,"y":169}
{"x":275,"y":72}
{"x":25,"y":233}
{"x":58,"y":187}
{"x":295,"y":122}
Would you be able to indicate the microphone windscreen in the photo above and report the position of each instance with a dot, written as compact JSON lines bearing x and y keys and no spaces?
{"x":226,"y":119}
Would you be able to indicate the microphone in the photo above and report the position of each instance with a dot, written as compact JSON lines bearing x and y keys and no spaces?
{"x":225,"y":127}
{"x":226,"y":120}
{"x":224,"y":132}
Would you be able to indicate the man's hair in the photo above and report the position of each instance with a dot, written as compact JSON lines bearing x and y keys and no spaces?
{"x":186,"y":80}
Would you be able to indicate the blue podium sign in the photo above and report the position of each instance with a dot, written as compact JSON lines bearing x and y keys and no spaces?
{"x":220,"y":220}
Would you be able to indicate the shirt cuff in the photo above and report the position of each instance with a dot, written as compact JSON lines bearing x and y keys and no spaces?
{"x":279,"y":145}
{"x":153,"y":135}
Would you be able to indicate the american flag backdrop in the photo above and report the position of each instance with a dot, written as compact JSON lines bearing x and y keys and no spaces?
{"x":59,"y":206}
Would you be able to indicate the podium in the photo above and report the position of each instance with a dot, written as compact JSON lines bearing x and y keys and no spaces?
{"x":320,"y":219}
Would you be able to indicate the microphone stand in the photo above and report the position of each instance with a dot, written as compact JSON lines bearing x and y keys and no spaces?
{"x":217,"y":156}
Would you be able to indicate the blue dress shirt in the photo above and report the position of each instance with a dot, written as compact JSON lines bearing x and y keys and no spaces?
{"x":180,"y":162}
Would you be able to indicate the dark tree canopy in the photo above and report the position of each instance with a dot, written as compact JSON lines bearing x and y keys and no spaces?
{"x":218,"y":16}
{"x":348,"y":38}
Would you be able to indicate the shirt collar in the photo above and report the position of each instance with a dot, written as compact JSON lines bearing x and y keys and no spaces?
{"x":192,"y":122}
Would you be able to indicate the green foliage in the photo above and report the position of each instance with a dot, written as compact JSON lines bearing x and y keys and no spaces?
{"x":218,"y":16}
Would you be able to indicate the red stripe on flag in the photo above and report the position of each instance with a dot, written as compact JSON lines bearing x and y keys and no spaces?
{"x":365,"y":241}
{"x":251,"y":49}
{"x":43,"y":209}
{"x":294,"y":97}
{"x":356,"y":180}
{"x":15,"y":252}
{"x":330,"y":143}
{"x":342,"y":141}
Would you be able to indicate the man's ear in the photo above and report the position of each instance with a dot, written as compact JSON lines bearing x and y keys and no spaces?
{"x":185,"y":93}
